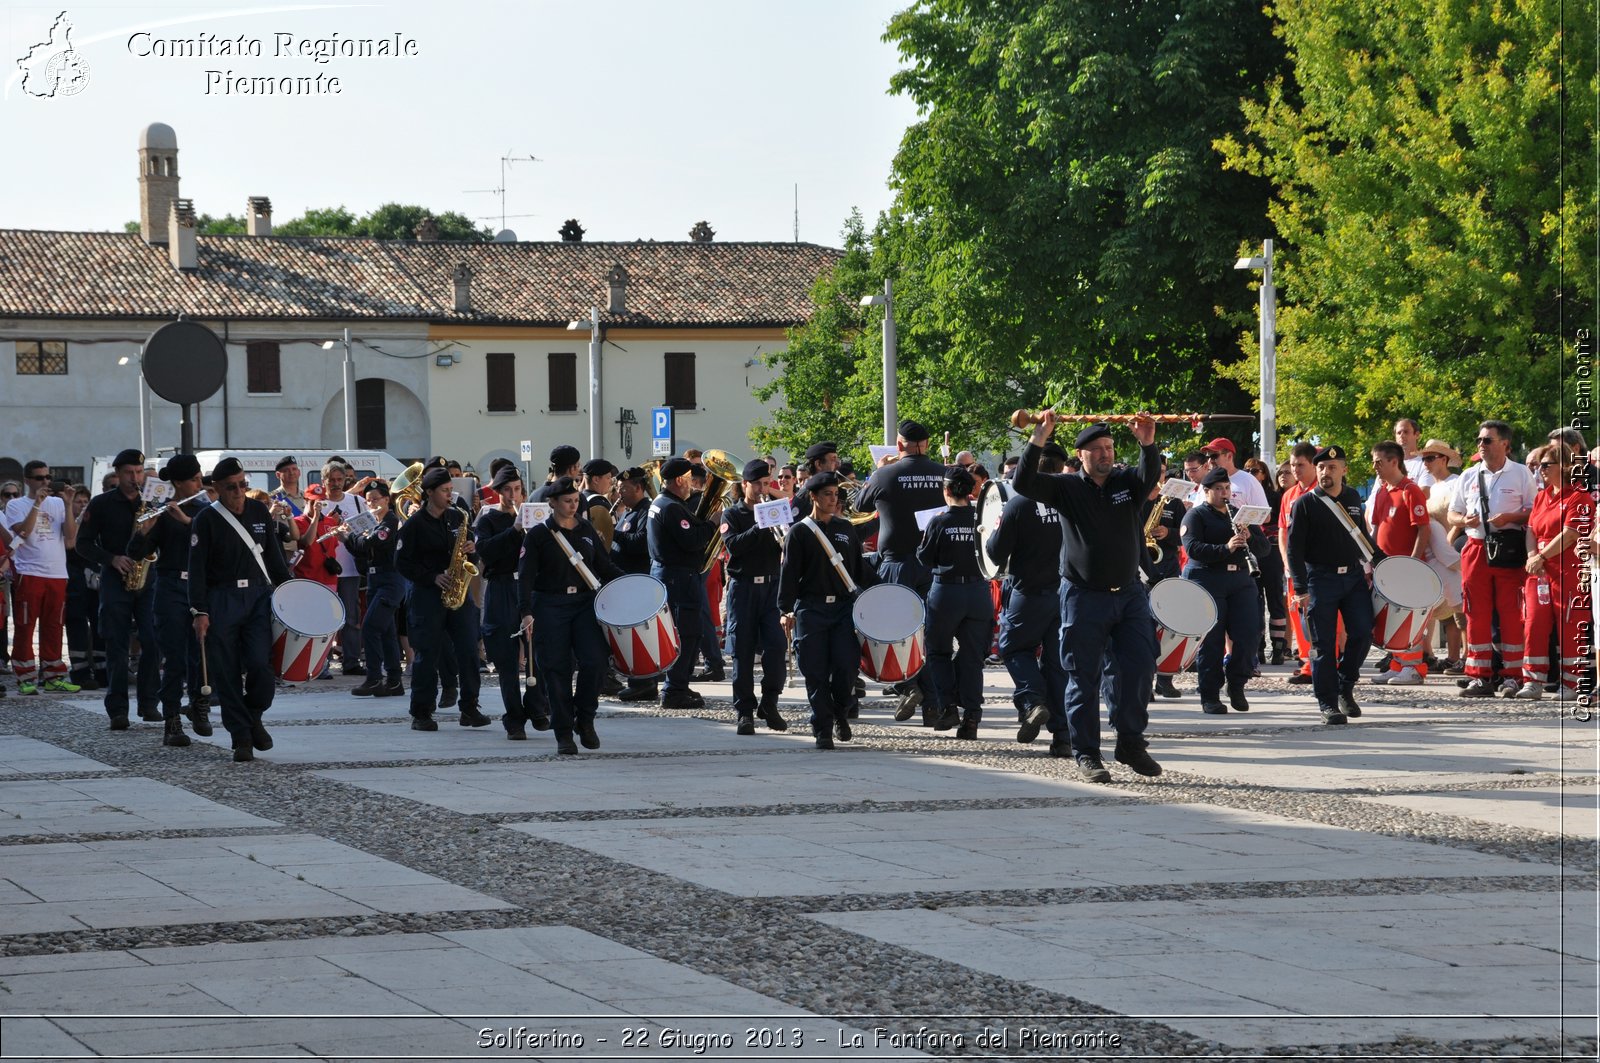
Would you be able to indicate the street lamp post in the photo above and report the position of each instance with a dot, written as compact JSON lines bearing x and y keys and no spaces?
{"x":1269,"y":352}
{"x":891,"y":398}
{"x":349,"y":391}
{"x":596,"y":440}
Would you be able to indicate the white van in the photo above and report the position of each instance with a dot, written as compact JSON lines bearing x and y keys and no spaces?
{"x":259,"y":464}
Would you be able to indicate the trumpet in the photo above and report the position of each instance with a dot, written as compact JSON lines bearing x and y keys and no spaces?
{"x":154,"y":513}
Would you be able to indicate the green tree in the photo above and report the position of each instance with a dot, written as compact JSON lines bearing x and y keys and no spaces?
{"x":325,"y":221}
{"x":397,"y":221}
{"x":1437,"y":225}
{"x":1065,"y":205}
{"x":205,"y":225}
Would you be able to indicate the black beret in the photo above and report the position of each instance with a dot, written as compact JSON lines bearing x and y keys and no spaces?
{"x":599,"y":467}
{"x":1095,"y":431}
{"x":563,"y":485}
{"x":1218,"y":475}
{"x":507,"y":474}
{"x":1333,"y":453}
{"x":912,"y":431}
{"x":635,"y":473}
{"x":499,"y":463}
{"x":127,"y":457}
{"x":433,"y":478}
{"x":287,"y":459}
{"x":225,"y":468}
{"x":698,"y":471}
{"x":821,"y":450}
{"x":755,"y":469}
{"x":435,"y":462}
{"x":673,"y":468}
{"x":564,"y":457}
{"x":181,"y":467}
{"x":379,"y":486}
{"x":821,"y":480}
{"x":1051,"y":449}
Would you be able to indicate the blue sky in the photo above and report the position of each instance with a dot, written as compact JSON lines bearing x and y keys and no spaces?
{"x":647,"y":117}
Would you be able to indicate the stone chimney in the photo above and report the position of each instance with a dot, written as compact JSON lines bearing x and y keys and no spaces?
{"x":427,"y":229}
{"x":258,"y":216}
{"x":462,"y":279}
{"x":182,"y":247}
{"x":158,"y":180}
{"x":702,"y":233}
{"x":571,"y":232}
{"x":617,"y":279}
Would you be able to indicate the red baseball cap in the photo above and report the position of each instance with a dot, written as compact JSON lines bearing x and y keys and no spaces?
{"x":1220,"y":443}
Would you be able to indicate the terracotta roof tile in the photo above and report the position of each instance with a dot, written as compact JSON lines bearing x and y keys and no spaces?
{"x":98,"y":275}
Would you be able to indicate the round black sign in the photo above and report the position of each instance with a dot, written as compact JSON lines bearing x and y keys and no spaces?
{"x":184,"y":362}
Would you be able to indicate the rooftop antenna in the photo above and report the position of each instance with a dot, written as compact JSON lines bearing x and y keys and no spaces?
{"x":797,"y":212}
{"x":505,"y":160}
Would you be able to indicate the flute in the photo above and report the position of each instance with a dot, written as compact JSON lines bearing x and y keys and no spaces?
{"x":154,"y":513}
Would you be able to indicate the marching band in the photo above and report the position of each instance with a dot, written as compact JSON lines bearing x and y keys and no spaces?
{"x":1096,"y":584}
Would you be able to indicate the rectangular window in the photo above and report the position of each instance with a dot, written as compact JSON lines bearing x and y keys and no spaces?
{"x":263,"y":374}
{"x":502,"y":383}
{"x":72,"y":474}
{"x":372,"y":422}
{"x":680,"y":381}
{"x":41,"y":357}
{"x":563,"y":383}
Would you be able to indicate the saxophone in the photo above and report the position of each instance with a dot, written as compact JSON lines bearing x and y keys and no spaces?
{"x":460,"y":572}
{"x":134,"y":579}
{"x":1157,"y":508}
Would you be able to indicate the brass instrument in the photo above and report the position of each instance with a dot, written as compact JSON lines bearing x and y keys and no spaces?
{"x":598,"y":514}
{"x":652,"y":468}
{"x":405,"y":493}
{"x":1157,"y":508}
{"x":461,"y":571}
{"x":134,"y":579}
{"x":723,"y":472}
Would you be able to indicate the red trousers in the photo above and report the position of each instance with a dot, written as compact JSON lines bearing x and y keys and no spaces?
{"x":1566,"y":614}
{"x":1488,"y":593}
{"x":40,"y":601}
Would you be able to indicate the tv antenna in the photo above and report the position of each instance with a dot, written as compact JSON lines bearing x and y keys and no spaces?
{"x":505,"y":160}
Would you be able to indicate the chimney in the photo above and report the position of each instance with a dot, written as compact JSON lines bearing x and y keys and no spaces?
{"x":702,"y":233}
{"x":427,"y":229}
{"x":462,"y":278}
{"x":617,"y":279}
{"x":158,"y":180}
{"x":571,"y":232}
{"x":258,"y":216}
{"x":182,"y":247}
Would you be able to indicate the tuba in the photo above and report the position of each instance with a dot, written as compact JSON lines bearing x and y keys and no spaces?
{"x":722,"y":478}
{"x":405,"y":493}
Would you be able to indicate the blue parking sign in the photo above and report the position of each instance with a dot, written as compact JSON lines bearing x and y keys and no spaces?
{"x":661,"y":431}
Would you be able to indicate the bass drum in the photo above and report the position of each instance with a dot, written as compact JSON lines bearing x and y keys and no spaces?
{"x":1185,"y":613}
{"x":889,"y":622}
{"x":633,"y":612}
{"x":1404,"y":592}
{"x":305,"y":617}
{"x":991,"y":503}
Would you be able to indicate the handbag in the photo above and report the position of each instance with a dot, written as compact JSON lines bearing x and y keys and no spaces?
{"x":1502,"y":547}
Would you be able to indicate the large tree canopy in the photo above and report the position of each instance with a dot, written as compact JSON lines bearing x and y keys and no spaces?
{"x":392,"y":221}
{"x":1436,"y":222}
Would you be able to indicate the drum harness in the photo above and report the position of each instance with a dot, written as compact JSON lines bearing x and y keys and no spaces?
{"x":833,"y":555}
{"x":1350,"y":526}
{"x":255,"y":547}
{"x":577,"y":562}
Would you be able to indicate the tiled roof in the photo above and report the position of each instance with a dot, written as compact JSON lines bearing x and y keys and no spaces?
{"x":118,"y":275}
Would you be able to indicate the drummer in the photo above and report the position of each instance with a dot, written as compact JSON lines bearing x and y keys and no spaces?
{"x":1328,"y":542}
{"x":754,"y":555}
{"x":960,"y":610}
{"x":1217,"y":551}
{"x":557,"y":600}
{"x":499,"y":540}
{"x":1027,"y":544}
{"x":1400,"y":524}
{"x":1167,"y":533}
{"x":823,"y":568}
{"x":234,"y":563}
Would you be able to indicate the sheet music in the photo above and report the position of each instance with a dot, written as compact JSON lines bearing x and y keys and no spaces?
{"x":775,"y":514}
{"x":533,"y":513}
{"x":156,"y":492}
{"x":925,"y":515}
{"x":1252,"y":514}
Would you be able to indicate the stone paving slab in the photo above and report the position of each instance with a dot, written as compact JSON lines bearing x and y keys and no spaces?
{"x":759,"y":777}
{"x":1255,"y":972}
{"x":891,"y":852}
{"x":400,"y":995}
{"x":70,"y":886}
{"x":110,"y":805}
{"x":1572,"y":811}
{"x":29,"y":756}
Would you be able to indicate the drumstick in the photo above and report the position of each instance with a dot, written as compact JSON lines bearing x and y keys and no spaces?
{"x":205,"y":672}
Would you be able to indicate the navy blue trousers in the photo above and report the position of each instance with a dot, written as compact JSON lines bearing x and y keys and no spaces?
{"x":380,"y":638}
{"x":1030,"y":646}
{"x":1238,"y":600}
{"x":180,"y":650}
{"x":120,"y":612}
{"x":238,"y":650}
{"x":571,"y":653}
{"x":686,"y":589}
{"x":432,"y":626}
{"x":1335,"y":594}
{"x":829,"y":656}
{"x":1093,"y":625}
{"x":960,"y":619}
{"x":753,"y":623}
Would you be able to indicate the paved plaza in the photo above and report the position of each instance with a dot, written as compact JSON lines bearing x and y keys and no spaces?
{"x":1419,"y":882}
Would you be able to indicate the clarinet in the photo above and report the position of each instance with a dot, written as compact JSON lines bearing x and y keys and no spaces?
{"x":1249,"y":558}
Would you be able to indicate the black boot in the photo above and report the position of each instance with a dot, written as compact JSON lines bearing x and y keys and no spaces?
{"x":968,"y":729}
{"x":1280,"y":650}
{"x":1236,"y":697}
{"x":768,"y":711}
{"x":1165,"y":687}
{"x":200,"y":719}
{"x":175,"y":736}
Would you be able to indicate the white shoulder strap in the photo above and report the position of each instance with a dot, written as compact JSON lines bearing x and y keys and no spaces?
{"x":1349,"y":526}
{"x":572,"y":556}
{"x":253,"y":546}
{"x":833,"y":555}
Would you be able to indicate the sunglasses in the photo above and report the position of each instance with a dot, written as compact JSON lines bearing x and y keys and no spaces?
{"x":1485,"y":440}
{"x":9,"y":494}
{"x":232,"y":486}
{"x":1433,"y":457}
{"x":1549,"y":464}
{"x":38,"y":479}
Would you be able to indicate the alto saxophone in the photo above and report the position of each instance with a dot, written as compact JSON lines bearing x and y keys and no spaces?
{"x":459,"y":574}
{"x":1157,"y":508}
{"x":134,"y":579}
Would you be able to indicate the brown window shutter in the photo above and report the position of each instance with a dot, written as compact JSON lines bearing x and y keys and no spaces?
{"x":680,"y":381}
{"x":563,"y":382}
{"x":502,"y":379}
{"x":263,"y":372}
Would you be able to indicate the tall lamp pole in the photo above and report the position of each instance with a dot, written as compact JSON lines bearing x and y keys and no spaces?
{"x":1269,"y":352}
{"x":891,"y":398}
{"x":349,"y":391}
{"x":596,"y":439}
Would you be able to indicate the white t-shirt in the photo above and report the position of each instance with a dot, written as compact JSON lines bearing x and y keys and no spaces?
{"x":1439,"y":547}
{"x":1510,"y":490}
{"x":347,"y":506}
{"x":44,"y":551}
{"x":1247,"y":490}
{"x":1417,"y":469}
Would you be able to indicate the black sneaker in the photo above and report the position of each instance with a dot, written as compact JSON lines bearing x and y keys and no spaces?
{"x":841,"y":728}
{"x":682,"y":699}
{"x":746,"y":725}
{"x":768,"y":711}
{"x":519,"y":735}
{"x":1331,"y":714}
{"x":1237,"y":700}
{"x":950,"y":719}
{"x":540,"y":721}
{"x":1134,"y":755}
{"x":967,"y":732}
{"x":1029,"y":720}
{"x":1213,"y":708}
{"x":367,"y":689}
{"x":119,"y":721}
{"x":566,"y":747}
{"x":242,"y":754}
{"x":174,"y":735}
{"x":1348,"y":706}
{"x":1300,"y":679}
{"x":390,"y":688}
{"x":1092,"y":768}
{"x":450,"y":696}
{"x":909,"y":702}
{"x":259,"y":736}
{"x":649,"y":693}
{"x":1061,"y":747}
{"x":587,"y":735}
{"x":151,"y":714}
{"x":1166,"y":688}
{"x":1478,"y":688}
{"x":471,"y":717}
{"x":711,"y":675}
{"x":824,"y":740}
{"x":423,"y":723}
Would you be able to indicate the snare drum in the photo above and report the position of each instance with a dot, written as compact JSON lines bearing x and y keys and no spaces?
{"x":634,"y":614}
{"x":305,"y":617}
{"x":1404,"y":592}
{"x":1185,"y":613}
{"x":991,"y":503}
{"x":889,"y":622}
